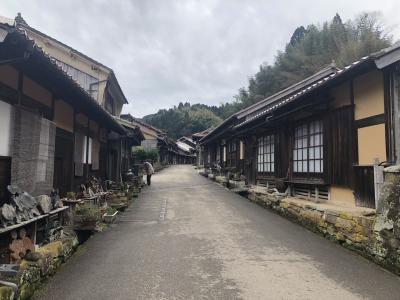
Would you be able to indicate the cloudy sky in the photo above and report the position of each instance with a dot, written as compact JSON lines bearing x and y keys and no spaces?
{"x":167,"y":51}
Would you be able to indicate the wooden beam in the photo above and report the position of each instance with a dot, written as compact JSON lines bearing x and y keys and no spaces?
{"x":87,"y":148}
{"x":73,"y":154}
{"x":355,"y":132}
{"x":370,"y":121}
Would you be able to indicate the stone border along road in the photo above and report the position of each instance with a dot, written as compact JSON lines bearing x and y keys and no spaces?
{"x":212,"y":244}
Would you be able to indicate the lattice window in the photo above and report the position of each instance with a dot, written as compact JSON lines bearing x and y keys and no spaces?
{"x":266,"y":154}
{"x":308,"y":148}
{"x":232,"y":153}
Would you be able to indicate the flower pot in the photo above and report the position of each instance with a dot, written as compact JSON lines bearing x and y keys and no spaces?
{"x":110,"y":218}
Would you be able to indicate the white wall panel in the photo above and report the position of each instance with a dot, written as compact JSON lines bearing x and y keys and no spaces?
{"x":5,"y":128}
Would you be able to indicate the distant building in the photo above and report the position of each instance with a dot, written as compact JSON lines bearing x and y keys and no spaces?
{"x":170,"y":151}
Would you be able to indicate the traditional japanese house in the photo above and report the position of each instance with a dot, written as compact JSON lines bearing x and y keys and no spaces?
{"x":196,"y":137}
{"x":188,"y":149}
{"x":102,"y":86}
{"x":50,"y":129}
{"x":156,"y":139}
{"x":188,"y":141}
{"x":132,"y":138}
{"x":324,"y":138}
{"x":53,"y":128}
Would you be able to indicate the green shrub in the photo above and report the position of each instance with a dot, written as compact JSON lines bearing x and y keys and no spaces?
{"x":88,"y":211}
{"x":143,"y":154}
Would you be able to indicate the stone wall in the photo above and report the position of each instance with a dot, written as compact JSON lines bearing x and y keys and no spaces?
{"x":386,"y":245}
{"x":38,"y":266}
{"x":373,"y":234}
{"x":358,"y":230}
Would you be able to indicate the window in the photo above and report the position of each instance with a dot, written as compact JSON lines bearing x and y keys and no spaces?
{"x":88,"y":82}
{"x":232,"y":153}
{"x":266,"y":154}
{"x":224,"y":153}
{"x":308,"y":148}
{"x":218,"y":154}
{"x":241,"y":150}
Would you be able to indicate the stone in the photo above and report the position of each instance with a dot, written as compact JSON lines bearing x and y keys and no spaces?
{"x":44,"y":203}
{"x":13,"y":189}
{"x":392,"y":169}
{"x":329,"y":218}
{"x":331,"y":212}
{"x":33,"y":256}
{"x":344,"y":224}
{"x":8,"y":213}
{"x":339,"y":236}
{"x":381,"y":223}
{"x":358,"y":238}
{"x":393,"y":243}
{"x":346,"y":216}
{"x":28,"y":201}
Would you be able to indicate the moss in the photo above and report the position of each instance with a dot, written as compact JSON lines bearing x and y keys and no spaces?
{"x":6,"y":293}
{"x":27,"y":290}
{"x":55,"y":249}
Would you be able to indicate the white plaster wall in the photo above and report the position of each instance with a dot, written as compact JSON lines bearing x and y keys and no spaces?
{"x":5,"y":128}
{"x":149,"y":144}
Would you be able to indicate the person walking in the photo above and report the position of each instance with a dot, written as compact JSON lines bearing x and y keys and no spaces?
{"x":149,"y":170}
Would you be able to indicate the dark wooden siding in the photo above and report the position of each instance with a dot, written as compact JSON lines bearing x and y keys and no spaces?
{"x":340,"y":140}
{"x":63,"y":161}
{"x":282,"y":152}
{"x":5,"y":178}
{"x":364,"y":190}
{"x":250,"y":145}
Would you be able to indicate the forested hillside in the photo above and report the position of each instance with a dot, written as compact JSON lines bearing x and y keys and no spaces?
{"x":309,"y":49}
{"x":184,"y":119}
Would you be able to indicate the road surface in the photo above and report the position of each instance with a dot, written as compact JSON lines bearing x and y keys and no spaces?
{"x":188,"y":238}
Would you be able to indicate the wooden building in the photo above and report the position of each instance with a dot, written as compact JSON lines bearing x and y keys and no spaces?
{"x":196,"y":137}
{"x":54,"y":133}
{"x":155,"y":139}
{"x":323,"y":138}
{"x":100,"y":82}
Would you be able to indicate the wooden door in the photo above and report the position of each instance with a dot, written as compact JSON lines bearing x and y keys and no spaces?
{"x":63,"y":161}
{"x":5,"y":178}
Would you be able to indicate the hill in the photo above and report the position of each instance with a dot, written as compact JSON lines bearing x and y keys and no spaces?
{"x":309,"y":49}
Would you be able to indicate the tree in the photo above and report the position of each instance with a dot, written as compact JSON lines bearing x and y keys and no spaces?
{"x":309,"y":49}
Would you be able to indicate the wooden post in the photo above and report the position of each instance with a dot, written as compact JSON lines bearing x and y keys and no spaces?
{"x":87,"y":148}
{"x":73,"y":154}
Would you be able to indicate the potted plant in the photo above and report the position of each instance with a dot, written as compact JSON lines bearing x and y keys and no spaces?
{"x":86,"y":216}
{"x":110,"y":215}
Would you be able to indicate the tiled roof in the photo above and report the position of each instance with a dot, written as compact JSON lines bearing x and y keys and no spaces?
{"x":304,"y":91}
{"x":22,"y":33}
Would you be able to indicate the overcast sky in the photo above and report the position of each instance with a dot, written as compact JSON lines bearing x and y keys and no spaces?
{"x":164,"y":52}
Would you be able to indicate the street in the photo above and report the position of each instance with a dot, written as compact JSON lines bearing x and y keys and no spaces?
{"x":186,"y":237}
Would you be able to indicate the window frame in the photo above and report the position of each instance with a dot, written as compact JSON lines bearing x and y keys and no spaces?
{"x":268,"y":147}
{"x":232,"y":150}
{"x":308,"y":149}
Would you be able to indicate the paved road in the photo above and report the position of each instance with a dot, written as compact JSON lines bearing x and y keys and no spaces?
{"x":188,"y":238}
